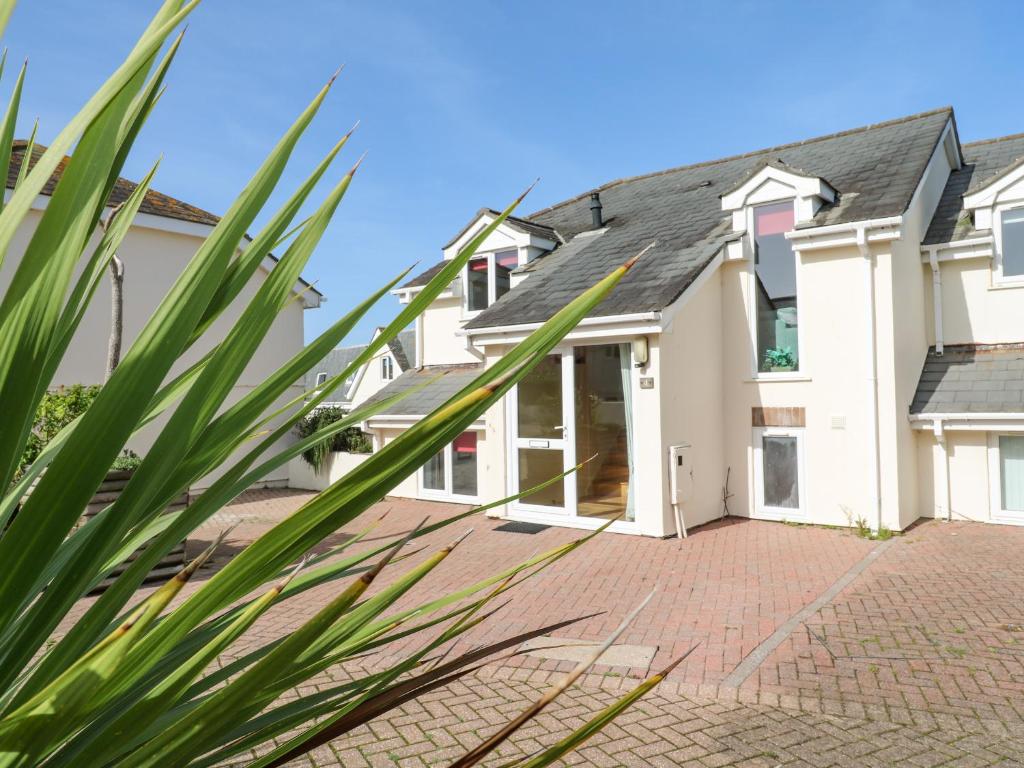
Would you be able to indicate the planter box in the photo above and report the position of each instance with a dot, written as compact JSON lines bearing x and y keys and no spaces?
{"x":105,"y":495}
{"x":337,"y":465}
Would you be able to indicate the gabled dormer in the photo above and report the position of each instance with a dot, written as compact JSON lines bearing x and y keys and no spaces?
{"x":489,"y":274}
{"x":775,"y":181}
{"x":996,"y":205}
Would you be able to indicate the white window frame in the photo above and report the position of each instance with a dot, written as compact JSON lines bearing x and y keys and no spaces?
{"x":995,"y":493}
{"x":387,"y":368}
{"x":491,"y":277}
{"x":778,"y":513}
{"x":998,"y":278}
{"x":321,"y":378}
{"x":801,"y":372}
{"x":447,"y":494}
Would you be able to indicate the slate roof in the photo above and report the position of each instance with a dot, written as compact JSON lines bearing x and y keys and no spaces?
{"x":984,"y":161}
{"x":972,"y":379}
{"x":334,"y":363}
{"x":403,"y":347}
{"x":439,"y":384}
{"x":875,"y":170}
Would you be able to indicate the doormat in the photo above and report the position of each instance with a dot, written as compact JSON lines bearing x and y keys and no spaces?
{"x":514,"y":526}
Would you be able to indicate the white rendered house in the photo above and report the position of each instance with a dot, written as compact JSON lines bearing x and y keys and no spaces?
{"x":834,"y":327}
{"x":162,"y":239}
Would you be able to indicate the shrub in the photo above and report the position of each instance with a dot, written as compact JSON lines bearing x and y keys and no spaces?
{"x":348,"y":440}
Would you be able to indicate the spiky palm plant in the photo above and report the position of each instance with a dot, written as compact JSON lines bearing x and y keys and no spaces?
{"x":130,"y":682}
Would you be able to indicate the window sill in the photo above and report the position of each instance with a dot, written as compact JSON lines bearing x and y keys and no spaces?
{"x":761,"y":378}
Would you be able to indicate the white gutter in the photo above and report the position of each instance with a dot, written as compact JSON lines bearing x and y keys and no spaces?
{"x":646,"y":317}
{"x":933,"y":260}
{"x":853,"y":227}
{"x":874,"y":483}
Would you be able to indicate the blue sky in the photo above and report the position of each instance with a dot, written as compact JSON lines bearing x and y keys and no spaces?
{"x":463,"y":104}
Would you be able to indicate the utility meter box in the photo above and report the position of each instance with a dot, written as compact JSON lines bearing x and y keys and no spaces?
{"x":681,"y":472}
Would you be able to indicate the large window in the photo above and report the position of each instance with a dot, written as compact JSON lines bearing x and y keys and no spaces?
{"x":452,"y":471}
{"x":1012,"y":249}
{"x":775,"y":287}
{"x":1011,"y":472}
{"x":778,"y":471}
{"x":488,"y":278}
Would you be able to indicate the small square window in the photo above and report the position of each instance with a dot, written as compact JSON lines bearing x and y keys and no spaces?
{"x":1012,"y":251}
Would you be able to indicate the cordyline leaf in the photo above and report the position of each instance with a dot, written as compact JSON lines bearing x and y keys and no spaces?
{"x":475,"y":755}
{"x":29,"y":148}
{"x":35,"y":728}
{"x":92,"y":447}
{"x":112,"y":239}
{"x":190,"y":737}
{"x":121,"y":730}
{"x":30,"y":309}
{"x":578,"y":737}
{"x":10,"y":119}
{"x":232,"y":482}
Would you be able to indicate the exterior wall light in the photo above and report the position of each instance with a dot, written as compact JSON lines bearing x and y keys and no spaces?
{"x":640,"y":351}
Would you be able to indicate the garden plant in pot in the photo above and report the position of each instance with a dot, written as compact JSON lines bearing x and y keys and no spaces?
{"x":779,"y":359}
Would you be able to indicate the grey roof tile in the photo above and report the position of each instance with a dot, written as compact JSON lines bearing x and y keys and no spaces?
{"x":972,"y":379}
{"x":439,"y":384}
{"x":984,"y":161}
{"x":875,"y":169}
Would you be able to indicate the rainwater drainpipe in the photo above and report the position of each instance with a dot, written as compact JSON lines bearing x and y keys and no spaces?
{"x":933,"y":260}
{"x":940,"y":438}
{"x":874,"y":493}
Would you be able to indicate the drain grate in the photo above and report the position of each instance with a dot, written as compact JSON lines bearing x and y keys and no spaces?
{"x":518,"y":527}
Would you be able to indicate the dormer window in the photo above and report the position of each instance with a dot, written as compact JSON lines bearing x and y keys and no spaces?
{"x":488,"y":278}
{"x":1011,"y":251}
{"x":777,"y":342}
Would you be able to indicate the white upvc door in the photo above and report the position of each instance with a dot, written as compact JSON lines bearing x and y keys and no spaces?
{"x":541,"y":425}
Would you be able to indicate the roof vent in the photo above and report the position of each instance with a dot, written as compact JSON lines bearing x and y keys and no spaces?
{"x":595,"y":210}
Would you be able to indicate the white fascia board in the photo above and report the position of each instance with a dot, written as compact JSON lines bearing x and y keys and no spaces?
{"x":390,"y":421}
{"x":976,"y":422}
{"x":311,"y":299}
{"x":588,"y":328}
{"x":971,"y":248}
{"x":987,"y":196}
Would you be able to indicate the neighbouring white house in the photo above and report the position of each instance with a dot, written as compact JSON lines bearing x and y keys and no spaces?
{"x":162,"y":239}
{"x":833,"y":329}
{"x":393,"y":359}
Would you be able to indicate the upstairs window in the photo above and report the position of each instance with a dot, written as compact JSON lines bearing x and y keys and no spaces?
{"x":488,"y":278}
{"x":387,"y":368}
{"x":777,"y":341}
{"x":1012,"y":251}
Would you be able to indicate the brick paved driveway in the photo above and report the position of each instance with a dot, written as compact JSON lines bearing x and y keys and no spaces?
{"x":817,"y":648}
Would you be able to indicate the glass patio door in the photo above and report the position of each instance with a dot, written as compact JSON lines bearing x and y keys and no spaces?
{"x":574,"y":406}
{"x":541,"y":418}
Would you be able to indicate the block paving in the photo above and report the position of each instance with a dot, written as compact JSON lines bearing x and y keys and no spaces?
{"x":917,"y":661}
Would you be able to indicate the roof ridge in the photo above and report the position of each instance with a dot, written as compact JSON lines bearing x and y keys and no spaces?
{"x":753,"y":153}
{"x":996,"y":140}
